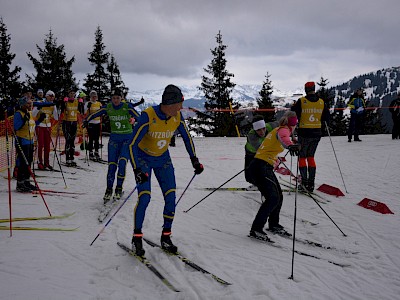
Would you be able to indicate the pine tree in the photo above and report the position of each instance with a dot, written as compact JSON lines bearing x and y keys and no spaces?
{"x":53,"y":70}
{"x":339,"y":122}
{"x":99,"y":79}
{"x":10,"y":87}
{"x":373,"y":118}
{"x":217,"y":89}
{"x":325,"y":94}
{"x":265,"y":100}
{"x":115,"y":76}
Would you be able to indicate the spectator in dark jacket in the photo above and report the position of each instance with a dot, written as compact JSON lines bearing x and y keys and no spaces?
{"x":357,"y":110}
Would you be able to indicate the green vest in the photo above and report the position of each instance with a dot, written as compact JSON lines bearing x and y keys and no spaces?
{"x":257,"y":141}
{"x":119,"y":119}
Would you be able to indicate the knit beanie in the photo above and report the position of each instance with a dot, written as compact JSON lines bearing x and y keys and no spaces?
{"x":22,"y":101}
{"x":292,"y":121}
{"x":172,"y":94}
{"x":50,"y":93}
{"x":309,"y":87}
{"x":93,"y":93}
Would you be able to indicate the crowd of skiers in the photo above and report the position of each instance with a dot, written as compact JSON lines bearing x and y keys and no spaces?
{"x":143,"y":139}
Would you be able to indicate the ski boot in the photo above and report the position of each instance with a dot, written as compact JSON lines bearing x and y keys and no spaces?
{"x":137,"y":243}
{"x":91,"y":156}
{"x":166,"y":242}
{"x":302,"y":186}
{"x":118,"y":193}
{"x":278,"y":229}
{"x":48,"y":167}
{"x":259,"y":235}
{"x":22,"y":188}
{"x":310,"y":187}
{"x":107,"y":196}
{"x":30,"y":186}
{"x":96,"y":156}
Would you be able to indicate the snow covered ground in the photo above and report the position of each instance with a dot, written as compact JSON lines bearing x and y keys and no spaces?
{"x":62,"y":265}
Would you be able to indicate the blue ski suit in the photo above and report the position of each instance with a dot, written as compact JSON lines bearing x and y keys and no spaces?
{"x":149,"y":152}
{"x":120,"y":138}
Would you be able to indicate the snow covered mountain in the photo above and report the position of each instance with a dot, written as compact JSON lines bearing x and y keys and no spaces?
{"x":378,"y":85}
{"x":245,"y":94}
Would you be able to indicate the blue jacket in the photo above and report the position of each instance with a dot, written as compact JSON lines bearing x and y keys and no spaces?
{"x":354,"y":104}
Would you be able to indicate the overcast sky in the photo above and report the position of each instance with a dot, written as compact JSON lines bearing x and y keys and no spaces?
{"x":160,"y":42}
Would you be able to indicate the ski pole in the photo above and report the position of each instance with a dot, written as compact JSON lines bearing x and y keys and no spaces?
{"x":101,"y":137}
{"x":8,"y":170}
{"x":35,"y":149}
{"x":57,"y":137}
{"x":185,"y":211}
{"x":56,"y":156}
{"x":291,"y":166}
{"x":334,"y":152}
{"x":185,"y":189}
{"x":109,"y":221}
{"x":295,"y":217}
{"x":311,"y":196}
{"x":85,"y":145}
{"x":29,"y":168}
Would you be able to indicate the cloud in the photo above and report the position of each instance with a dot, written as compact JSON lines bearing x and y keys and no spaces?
{"x":154,"y":41}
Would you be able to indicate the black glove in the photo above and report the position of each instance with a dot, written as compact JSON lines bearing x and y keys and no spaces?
{"x":85,"y":124}
{"x":294,"y":149}
{"x":140,"y":177}
{"x":42,"y":116}
{"x":198,"y":167}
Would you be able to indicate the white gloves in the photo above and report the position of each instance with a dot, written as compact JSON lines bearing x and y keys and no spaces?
{"x":360,"y":109}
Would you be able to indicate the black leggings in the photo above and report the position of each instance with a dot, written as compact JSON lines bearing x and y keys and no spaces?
{"x":69,"y":129}
{"x":94,"y":136}
{"x":264,"y":178}
{"x":23,"y":168}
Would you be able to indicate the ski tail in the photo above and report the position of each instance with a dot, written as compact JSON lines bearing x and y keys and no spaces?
{"x":150,"y":266}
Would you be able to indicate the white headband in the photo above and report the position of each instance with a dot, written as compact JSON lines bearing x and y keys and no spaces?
{"x":259,"y":125}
